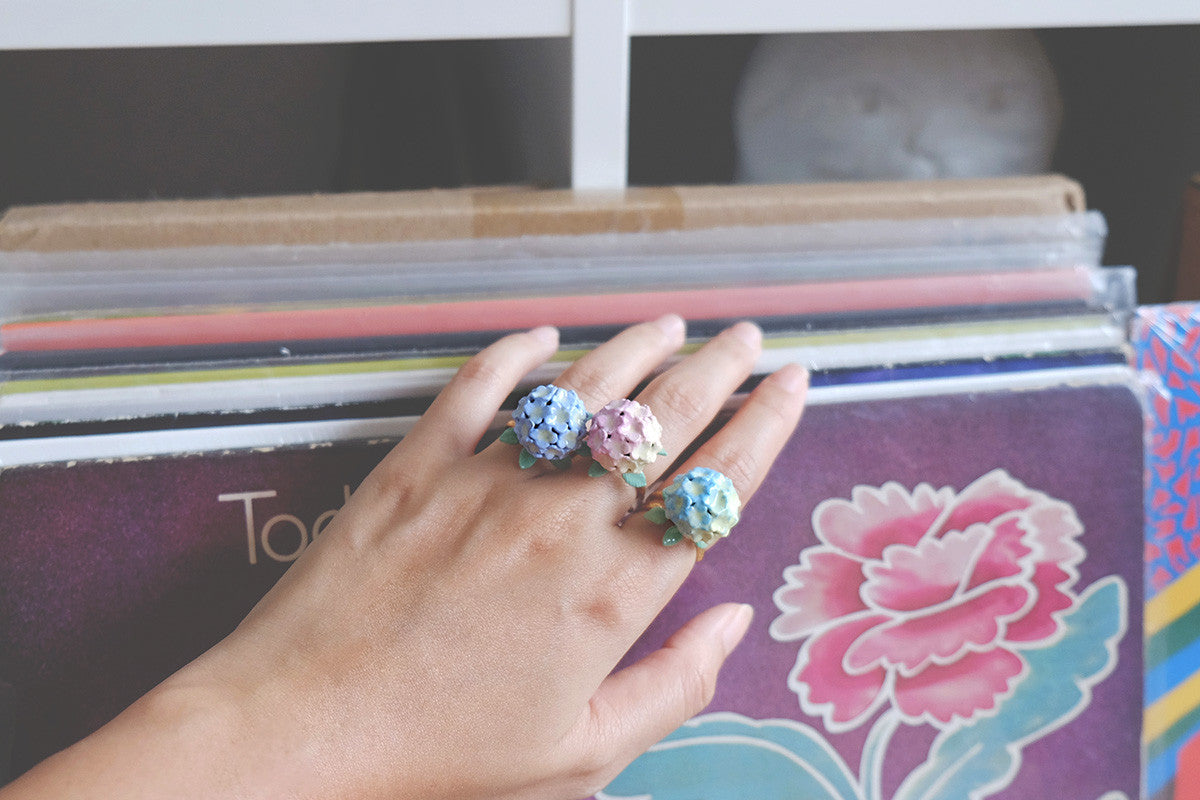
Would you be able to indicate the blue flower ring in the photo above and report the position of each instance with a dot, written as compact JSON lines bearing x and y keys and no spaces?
{"x":702,"y":505}
{"x":549,"y":423}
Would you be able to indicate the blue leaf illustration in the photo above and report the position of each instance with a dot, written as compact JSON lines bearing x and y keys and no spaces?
{"x":977,"y":760}
{"x":726,"y":756}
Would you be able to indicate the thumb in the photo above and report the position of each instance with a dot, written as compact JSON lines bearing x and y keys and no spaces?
{"x":639,"y":705}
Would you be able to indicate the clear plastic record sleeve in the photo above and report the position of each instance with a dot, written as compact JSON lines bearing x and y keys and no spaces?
{"x":139,"y":395}
{"x":41,"y":286}
{"x":991,"y":317}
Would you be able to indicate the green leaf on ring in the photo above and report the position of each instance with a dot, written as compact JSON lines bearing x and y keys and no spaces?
{"x":584,"y":451}
{"x":672,"y":536}
{"x":509,"y":436}
{"x":657,"y":515}
{"x":595,"y":470}
{"x":635,"y":479}
{"x":662,"y":452}
{"x":561,"y":464}
{"x":526,"y":459}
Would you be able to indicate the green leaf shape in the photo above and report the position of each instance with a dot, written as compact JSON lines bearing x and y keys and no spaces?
{"x":657,"y":515}
{"x":509,"y":436}
{"x":976,"y":760}
{"x":526,"y":459}
{"x":635,"y":479}
{"x":561,"y":464}
{"x":595,"y":470}
{"x":672,"y":536}
{"x":583,"y":451}
{"x":726,"y":756}
{"x":662,"y":452}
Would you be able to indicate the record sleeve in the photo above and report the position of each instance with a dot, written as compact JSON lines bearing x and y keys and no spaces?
{"x":117,"y":572}
{"x":871,"y":669}
{"x":1165,"y":340}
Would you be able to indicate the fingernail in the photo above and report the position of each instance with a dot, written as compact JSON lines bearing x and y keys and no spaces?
{"x":546,"y":334}
{"x":792,"y":378}
{"x":735,"y":625}
{"x":749,"y":333}
{"x":670,"y":324}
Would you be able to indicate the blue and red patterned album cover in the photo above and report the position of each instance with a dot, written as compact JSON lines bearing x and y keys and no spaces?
{"x":1166,"y":342}
{"x":946,"y":591}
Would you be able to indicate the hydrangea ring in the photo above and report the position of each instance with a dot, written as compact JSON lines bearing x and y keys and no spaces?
{"x":549,"y":423}
{"x":701,"y":504}
{"x":624,"y":437}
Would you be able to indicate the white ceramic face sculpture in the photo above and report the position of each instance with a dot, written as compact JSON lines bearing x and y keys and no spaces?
{"x":863,"y":106}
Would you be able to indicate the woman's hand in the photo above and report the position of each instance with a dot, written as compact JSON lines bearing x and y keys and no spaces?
{"x":452,"y":632}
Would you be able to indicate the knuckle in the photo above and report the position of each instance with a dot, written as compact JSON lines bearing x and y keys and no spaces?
{"x":592,"y":764}
{"x":679,"y":401}
{"x":699,"y":688}
{"x":542,"y":545}
{"x":771,"y":405}
{"x":597,"y":388}
{"x":391,"y":486}
{"x":604,"y":612}
{"x":481,"y":371}
{"x":739,"y":465}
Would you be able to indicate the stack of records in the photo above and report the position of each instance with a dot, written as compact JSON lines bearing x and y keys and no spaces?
{"x":176,"y":425}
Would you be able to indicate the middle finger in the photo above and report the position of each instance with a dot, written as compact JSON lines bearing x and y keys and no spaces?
{"x":613,"y":369}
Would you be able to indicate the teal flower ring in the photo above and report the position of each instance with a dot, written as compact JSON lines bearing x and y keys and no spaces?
{"x":549,"y":423}
{"x":702,"y":505}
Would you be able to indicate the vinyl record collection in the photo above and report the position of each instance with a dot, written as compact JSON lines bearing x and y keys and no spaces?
{"x":177,"y":424}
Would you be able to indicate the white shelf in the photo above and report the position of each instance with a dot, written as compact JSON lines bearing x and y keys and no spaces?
{"x":599,"y":32}
{"x":55,"y":24}
{"x":676,"y":17}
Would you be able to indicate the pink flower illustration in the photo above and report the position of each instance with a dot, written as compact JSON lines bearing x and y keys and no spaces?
{"x":926,"y":598}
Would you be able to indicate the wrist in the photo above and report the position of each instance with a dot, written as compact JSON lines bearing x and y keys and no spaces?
{"x":181,"y":740}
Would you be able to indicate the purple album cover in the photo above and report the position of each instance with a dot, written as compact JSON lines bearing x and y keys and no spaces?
{"x":947,"y":596}
{"x":946,"y":593}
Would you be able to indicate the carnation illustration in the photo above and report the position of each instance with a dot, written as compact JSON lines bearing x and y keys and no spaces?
{"x":949,"y":626}
{"x":926,"y":599}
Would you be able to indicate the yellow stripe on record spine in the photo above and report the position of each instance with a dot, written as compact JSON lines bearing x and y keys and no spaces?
{"x":1180,"y":597}
{"x":1170,"y":708}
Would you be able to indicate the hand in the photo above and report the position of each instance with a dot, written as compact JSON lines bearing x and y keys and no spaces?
{"x":452,"y":632}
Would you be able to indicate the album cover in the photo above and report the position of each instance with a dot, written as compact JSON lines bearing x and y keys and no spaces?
{"x":947,"y":596}
{"x":946,"y":590}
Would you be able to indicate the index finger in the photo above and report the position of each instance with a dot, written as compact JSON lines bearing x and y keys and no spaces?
{"x":462,"y":413}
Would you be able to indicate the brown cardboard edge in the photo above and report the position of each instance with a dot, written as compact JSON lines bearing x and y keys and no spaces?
{"x":513,"y":211}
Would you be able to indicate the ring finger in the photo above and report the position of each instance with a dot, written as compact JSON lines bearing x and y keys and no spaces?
{"x":613,"y":369}
{"x":687,"y":397}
